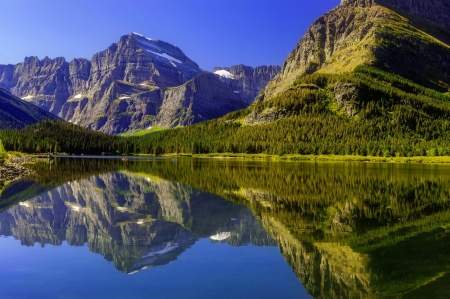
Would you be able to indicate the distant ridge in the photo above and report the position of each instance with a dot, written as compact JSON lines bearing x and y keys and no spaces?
{"x":16,"y":113}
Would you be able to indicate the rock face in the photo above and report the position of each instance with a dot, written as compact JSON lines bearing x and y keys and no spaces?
{"x":202,"y":98}
{"x":245,"y":81}
{"x":16,"y":113}
{"x":13,"y":169}
{"x":437,"y":11}
{"x":122,"y":88}
{"x":383,"y":33}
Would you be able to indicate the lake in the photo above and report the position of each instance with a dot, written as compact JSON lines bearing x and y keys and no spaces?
{"x":225,"y":228}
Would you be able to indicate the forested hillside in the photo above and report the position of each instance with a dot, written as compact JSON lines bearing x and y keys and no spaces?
{"x":59,"y":136}
{"x":366,"y":112}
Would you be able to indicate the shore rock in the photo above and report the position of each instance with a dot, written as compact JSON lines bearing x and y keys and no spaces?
{"x":13,"y":169}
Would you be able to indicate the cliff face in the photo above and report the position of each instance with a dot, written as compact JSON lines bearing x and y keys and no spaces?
{"x":437,"y":11}
{"x":123,"y":87}
{"x":327,"y":270}
{"x":202,"y":98}
{"x":245,"y":81}
{"x":391,"y":35}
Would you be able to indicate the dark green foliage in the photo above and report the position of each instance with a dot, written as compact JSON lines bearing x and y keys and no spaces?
{"x":59,"y":136}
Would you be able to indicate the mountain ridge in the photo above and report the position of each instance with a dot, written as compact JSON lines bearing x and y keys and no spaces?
{"x":362,"y":32}
{"x":87,"y":92}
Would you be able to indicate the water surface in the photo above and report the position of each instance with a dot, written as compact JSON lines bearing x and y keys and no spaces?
{"x":202,"y":228}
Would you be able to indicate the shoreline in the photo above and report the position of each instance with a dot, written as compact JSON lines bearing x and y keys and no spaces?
{"x":12,"y":169}
{"x":20,"y":160}
{"x":320,"y":158}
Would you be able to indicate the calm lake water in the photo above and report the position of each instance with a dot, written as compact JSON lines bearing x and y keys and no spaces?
{"x":209,"y":228}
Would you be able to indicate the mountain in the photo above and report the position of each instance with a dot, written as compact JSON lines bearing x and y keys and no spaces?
{"x":124,"y":87}
{"x":369,"y":78}
{"x":397,"y":36}
{"x":16,"y":113}
{"x":245,"y":81}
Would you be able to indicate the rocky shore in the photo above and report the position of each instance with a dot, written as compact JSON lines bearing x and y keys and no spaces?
{"x":13,"y":169}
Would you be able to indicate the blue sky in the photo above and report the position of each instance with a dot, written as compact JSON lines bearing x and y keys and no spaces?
{"x":210,"y":32}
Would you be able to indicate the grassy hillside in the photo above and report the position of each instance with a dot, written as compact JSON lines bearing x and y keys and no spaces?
{"x":368,"y":112}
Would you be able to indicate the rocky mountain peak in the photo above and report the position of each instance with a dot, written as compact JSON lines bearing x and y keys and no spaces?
{"x":436,"y":11}
{"x":161,"y":49}
{"x":360,"y":3}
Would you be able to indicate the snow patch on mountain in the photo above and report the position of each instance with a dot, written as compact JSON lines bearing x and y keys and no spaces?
{"x":166,"y":56}
{"x":224,"y":73}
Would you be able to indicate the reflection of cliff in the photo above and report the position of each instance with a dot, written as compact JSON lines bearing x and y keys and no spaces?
{"x":135,"y":222}
{"x":338,"y":252}
{"x":327,"y":270}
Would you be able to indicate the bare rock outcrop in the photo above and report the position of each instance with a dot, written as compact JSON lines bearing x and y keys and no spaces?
{"x":436,"y":11}
{"x":245,"y":81}
{"x":202,"y":98}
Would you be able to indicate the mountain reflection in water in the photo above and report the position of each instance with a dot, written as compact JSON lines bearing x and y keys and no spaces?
{"x":346,"y":230}
{"x":131,"y":220}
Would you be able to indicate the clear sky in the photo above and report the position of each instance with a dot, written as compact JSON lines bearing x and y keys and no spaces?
{"x":210,"y":32}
